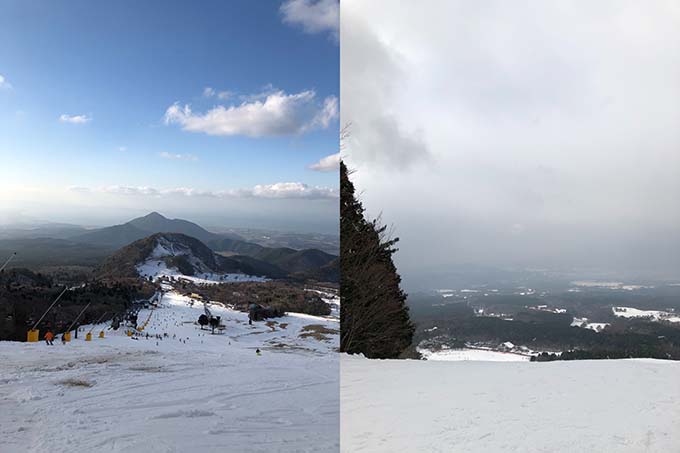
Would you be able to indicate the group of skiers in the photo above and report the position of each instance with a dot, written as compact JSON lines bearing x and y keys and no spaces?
{"x":49,"y":338}
{"x":49,"y":335}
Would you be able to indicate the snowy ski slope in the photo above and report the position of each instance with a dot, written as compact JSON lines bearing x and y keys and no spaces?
{"x":194,"y":392}
{"x":613,"y":406}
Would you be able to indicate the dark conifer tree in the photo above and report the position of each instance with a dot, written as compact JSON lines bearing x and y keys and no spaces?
{"x":374,"y":317}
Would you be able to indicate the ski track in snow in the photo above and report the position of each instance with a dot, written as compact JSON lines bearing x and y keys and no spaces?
{"x":612,"y":406}
{"x":210,"y":394}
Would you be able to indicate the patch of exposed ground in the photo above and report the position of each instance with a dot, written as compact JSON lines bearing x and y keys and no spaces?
{"x":72,"y":382}
{"x":318,"y":332}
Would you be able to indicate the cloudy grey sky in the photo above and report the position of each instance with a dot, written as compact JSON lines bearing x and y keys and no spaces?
{"x":523,"y":134}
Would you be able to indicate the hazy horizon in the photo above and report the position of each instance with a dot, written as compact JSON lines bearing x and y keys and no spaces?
{"x":517,"y":135}
{"x":210,"y":222}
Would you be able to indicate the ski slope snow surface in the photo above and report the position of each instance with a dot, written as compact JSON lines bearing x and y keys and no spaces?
{"x":614,"y":406}
{"x":189,"y":391}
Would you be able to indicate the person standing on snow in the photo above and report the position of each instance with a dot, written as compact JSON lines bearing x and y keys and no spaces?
{"x":49,"y":337}
{"x":251,"y":313}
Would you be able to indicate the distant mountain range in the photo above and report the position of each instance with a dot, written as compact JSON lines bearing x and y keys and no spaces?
{"x":42,"y":230}
{"x":90,"y":247}
{"x":119,"y":235}
{"x":186,"y":254}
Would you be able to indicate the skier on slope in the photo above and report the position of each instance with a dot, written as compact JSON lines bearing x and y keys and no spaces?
{"x":49,"y":337}
{"x":252,"y":309}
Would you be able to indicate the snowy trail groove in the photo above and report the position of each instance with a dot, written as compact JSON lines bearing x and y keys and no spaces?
{"x":212,"y":393}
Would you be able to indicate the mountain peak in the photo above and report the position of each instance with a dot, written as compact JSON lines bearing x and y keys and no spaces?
{"x":154,"y":216}
{"x":141,"y":227}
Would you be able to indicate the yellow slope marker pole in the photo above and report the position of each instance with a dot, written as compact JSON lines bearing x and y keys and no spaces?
{"x":34,"y":334}
{"x":88,"y":336}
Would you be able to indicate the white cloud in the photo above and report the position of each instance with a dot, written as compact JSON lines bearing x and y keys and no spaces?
{"x":209,"y":92}
{"x":75,"y":119}
{"x":4,"y":84}
{"x":328,"y":113}
{"x":328,"y":163}
{"x":79,"y":189}
{"x":128,"y":190}
{"x":191,"y":192}
{"x":114,"y":189}
{"x":281,"y":190}
{"x":173,"y":156}
{"x":265,"y":91}
{"x":293,"y":190}
{"x":122,"y":148}
{"x":276,"y":115}
{"x":314,"y":16}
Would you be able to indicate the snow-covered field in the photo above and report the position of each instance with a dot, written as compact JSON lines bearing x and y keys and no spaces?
{"x":584,"y":323}
{"x":157,"y":269}
{"x":472,"y":355}
{"x":653,"y":315}
{"x":610,"y":406}
{"x":189,"y":391}
{"x":610,"y":285}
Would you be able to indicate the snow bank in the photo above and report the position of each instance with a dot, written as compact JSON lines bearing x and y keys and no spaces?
{"x":580,"y":406}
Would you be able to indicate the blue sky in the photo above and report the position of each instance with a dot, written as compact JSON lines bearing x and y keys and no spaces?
{"x":108,"y":109}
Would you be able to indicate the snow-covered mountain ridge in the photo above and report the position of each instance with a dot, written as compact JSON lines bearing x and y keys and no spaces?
{"x":167,"y":252}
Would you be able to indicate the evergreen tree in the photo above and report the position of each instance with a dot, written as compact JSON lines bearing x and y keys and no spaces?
{"x":374,"y":317}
